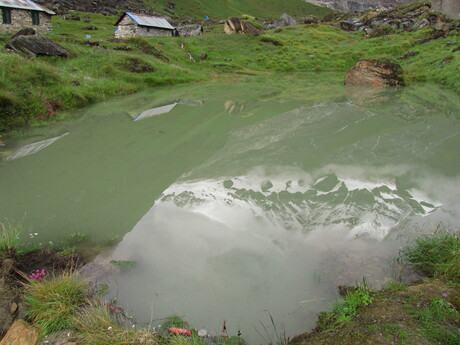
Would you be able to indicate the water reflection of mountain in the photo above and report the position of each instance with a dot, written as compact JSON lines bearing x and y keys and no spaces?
{"x":361,"y":206}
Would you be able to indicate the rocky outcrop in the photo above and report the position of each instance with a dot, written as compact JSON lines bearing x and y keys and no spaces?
{"x":347,"y":6}
{"x":34,"y":45}
{"x":239,"y":26}
{"x":375,"y":73}
{"x":20,"y":333}
{"x":285,"y":20}
{"x":449,"y":7}
{"x":190,"y":30}
{"x":407,"y":18}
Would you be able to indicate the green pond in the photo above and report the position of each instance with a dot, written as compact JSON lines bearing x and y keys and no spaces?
{"x":245,"y":201}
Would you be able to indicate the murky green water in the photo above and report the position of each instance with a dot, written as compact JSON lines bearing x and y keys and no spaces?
{"x":244,"y":200}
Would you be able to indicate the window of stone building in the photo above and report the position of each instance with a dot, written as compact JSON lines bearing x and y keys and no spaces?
{"x":35,"y":18}
{"x":6,"y":15}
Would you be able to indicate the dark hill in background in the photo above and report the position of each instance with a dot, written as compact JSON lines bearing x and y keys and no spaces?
{"x":198,"y":9}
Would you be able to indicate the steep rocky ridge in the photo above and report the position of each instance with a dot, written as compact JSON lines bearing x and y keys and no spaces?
{"x":449,"y":7}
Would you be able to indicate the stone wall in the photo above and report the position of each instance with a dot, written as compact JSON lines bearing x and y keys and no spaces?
{"x":23,"y":19}
{"x":128,"y":28}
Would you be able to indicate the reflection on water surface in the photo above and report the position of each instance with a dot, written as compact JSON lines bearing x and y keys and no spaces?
{"x":236,"y":201}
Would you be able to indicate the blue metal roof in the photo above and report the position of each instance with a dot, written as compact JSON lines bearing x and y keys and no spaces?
{"x":24,"y":5}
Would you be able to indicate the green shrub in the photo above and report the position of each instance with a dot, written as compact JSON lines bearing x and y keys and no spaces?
{"x":53,"y":302}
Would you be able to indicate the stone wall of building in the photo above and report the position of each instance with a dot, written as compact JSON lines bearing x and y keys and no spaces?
{"x":128,"y":28}
{"x":21,"y":19}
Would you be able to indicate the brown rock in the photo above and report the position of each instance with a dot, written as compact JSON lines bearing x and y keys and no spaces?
{"x":20,"y":333}
{"x":237,"y":26}
{"x":376,"y":73}
{"x":13,"y":307}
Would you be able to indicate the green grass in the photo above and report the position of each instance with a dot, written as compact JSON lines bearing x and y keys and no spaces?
{"x":396,"y":286}
{"x":437,"y":256}
{"x":343,"y":312}
{"x":221,"y":9}
{"x":439,"y":322}
{"x":10,"y":243}
{"x":95,"y":326}
{"x":53,"y":303}
{"x":35,"y":92}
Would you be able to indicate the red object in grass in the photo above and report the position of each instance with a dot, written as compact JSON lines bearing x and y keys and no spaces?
{"x":181,"y":331}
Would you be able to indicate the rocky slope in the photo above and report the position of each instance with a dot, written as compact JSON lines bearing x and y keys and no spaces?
{"x":450,"y":7}
{"x":97,"y":6}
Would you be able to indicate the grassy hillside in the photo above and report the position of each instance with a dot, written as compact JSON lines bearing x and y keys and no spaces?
{"x":34,"y":91}
{"x":220,"y":9}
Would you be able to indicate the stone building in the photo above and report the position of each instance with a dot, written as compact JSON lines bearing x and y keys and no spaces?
{"x":141,"y":25}
{"x":20,"y":14}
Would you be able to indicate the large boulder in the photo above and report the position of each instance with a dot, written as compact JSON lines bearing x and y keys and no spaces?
{"x":190,"y":30}
{"x":237,"y":26}
{"x":375,"y":73}
{"x":36,"y":46}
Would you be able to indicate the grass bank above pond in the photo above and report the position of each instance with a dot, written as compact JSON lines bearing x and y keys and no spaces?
{"x":34,"y":91}
{"x":425,"y":312}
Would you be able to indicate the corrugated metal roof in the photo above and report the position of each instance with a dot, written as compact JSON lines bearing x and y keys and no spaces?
{"x":24,"y":4}
{"x":145,"y":20}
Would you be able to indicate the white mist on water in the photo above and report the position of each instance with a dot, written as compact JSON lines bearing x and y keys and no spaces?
{"x":231,"y":249}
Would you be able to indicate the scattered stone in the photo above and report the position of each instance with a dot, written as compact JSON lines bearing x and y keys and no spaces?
{"x":285,"y":20}
{"x":407,"y":55}
{"x":190,"y":30}
{"x":20,"y":333}
{"x":380,"y":31}
{"x":374,"y":72}
{"x":13,"y":308}
{"x":202,"y":333}
{"x":75,"y":83}
{"x":91,"y":28}
{"x":352,"y":24}
{"x":203,"y":56}
{"x":456,"y":49}
{"x":64,"y":337}
{"x":239,"y":26}
{"x":37,"y":46}
{"x":446,"y":60}
{"x":71,"y":16}
{"x":311,"y":20}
